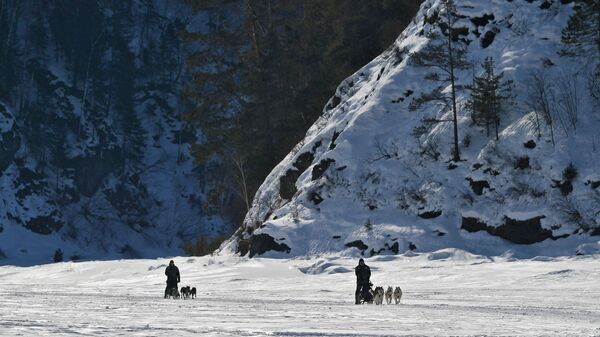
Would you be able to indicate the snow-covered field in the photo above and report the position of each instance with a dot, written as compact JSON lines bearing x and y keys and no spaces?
{"x":446,"y":293}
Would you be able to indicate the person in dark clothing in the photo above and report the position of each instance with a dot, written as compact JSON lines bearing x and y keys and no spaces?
{"x":363,"y":276}
{"x":173,"y":278}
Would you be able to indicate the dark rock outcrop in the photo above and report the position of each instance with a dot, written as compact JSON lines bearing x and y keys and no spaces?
{"x":430,"y":214}
{"x":287,"y":183}
{"x":44,"y":224}
{"x":358,"y":244}
{"x":517,"y":231}
{"x":478,"y":185}
{"x":259,"y":244}
{"x":530,"y":144}
{"x":319,"y":169}
{"x":565,"y":187}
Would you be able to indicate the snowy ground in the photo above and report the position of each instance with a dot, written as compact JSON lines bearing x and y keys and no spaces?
{"x":446,"y":293}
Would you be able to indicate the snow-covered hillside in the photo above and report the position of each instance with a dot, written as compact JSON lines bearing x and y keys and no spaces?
{"x":361,"y":183}
{"x":94,"y":154}
{"x":445,"y":293}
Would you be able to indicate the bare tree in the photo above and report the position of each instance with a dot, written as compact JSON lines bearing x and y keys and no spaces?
{"x":539,"y":100}
{"x":241,"y":179}
{"x":568,"y":101}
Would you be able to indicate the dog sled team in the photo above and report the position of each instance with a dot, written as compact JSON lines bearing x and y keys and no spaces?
{"x":173,"y":277}
{"x":364,"y":288}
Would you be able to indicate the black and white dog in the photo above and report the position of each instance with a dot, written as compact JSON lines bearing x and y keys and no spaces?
{"x":378,"y":295}
{"x":193,"y":292}
{"x":172,"y":293}
{"x":185,"y":292}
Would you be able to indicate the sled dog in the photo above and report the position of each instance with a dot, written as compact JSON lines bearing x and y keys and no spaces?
{"x":388,"y":295}
{"x":172,"y":293}
{"x":397,"y":295}
{"x":185,"y":292}
{"x":378,"y":295}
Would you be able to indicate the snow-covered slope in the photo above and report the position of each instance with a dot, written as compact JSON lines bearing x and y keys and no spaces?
{"x":361,"y":183}
{"x":445,"y":293}
{"x":96,"y":160}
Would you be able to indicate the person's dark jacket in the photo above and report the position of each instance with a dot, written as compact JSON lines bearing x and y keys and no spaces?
{"x":363,"y":274}
{"x":172,"y":273}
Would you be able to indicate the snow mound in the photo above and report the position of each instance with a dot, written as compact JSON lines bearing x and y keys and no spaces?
{"x":324,"y":267}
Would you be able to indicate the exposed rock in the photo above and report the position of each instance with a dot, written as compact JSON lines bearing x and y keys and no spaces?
{"x":546,"y":4}
{"x":431,"y":214}
{"x":437,"y":232}
{"x":333,"y":139}
{"x":335,"y":101}
{"x":491,"y":171}
{"x":303,"y":161}
{"x":44,"y":224}
{"x":319,"y":169}
{"x":488,"y":38}
{"x":523,"y":231}
{"x":262,"y":243}
{"x":358,"y":244}
{"x":478,"y":185}
{"x":473,"y":225}
{"x":530,"y":144}
{"x":593,"y":184}
{"x":482,"y":20}
{"x":518,"y":231}
{"x":315,"y":197}
{"x":522,"y":163}
{"x":565,"y":187}
{"x":287,"y":183}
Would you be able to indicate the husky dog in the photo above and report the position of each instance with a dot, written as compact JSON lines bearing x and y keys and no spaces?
{"x":366,"y":295}
{"x":397,"y":295}
{"x":185,"y":292}
{"x":378,"y":295}
{"x":193,"y":292}
{"x":173,"y":293}
{"x":388,"y":295}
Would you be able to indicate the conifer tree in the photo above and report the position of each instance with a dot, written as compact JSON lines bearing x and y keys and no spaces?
{"x":582,"y":37}
{"x":490,"y":95}
{"x":445,"y":54}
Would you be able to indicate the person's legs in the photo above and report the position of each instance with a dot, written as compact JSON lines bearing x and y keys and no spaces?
{"x":170,"y":285}
{"x":365,"y":292}
{"x":357,"y":293}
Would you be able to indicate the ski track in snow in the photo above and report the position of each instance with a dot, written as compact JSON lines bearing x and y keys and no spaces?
{"x":266,"y":297}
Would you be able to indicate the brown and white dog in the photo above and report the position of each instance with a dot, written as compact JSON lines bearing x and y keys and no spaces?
{"x":397,"y":295}
{"x":388,"y":295}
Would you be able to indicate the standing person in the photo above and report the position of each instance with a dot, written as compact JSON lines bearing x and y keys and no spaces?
{"x":363,"y":275}
{"x":173,"y":278}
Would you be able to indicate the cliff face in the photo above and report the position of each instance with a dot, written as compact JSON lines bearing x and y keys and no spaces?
{"x":373,"y":176}
{"x":94,"y":154}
